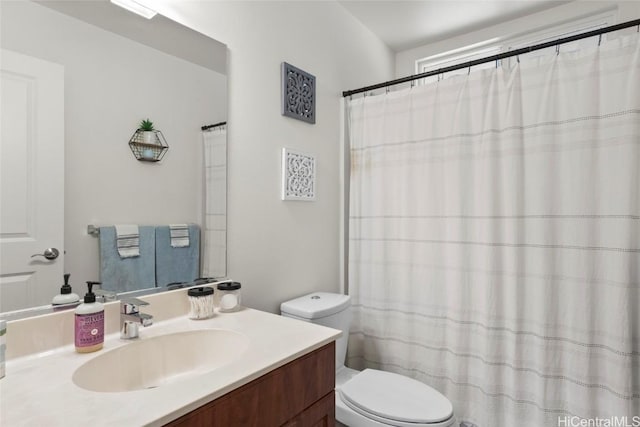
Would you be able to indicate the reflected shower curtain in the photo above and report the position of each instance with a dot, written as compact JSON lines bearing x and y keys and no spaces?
{"x":494,"y":238}
{"x":214,"y":259}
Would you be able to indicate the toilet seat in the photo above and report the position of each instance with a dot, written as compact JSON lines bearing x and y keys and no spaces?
{"x":395,"y":400}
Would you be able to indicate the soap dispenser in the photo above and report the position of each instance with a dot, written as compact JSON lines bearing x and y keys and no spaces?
{"x":65,"y":296}
{"x":89,"y":324}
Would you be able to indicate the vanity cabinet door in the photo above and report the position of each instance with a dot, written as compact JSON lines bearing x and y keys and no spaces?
{"x":298,"y":394}
{"x":320,"y":414}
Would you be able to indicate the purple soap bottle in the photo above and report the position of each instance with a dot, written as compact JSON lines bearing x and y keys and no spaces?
{"x":89,"y":323}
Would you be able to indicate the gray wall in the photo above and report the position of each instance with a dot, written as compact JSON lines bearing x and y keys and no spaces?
{"x":279,"y":250}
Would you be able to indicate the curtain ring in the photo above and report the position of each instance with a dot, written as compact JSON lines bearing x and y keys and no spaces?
{"x":557,"y":49}
{"x":518,"y":58}
{"x":413,"y":82}
{"x":387,"y":89}
{"x":599,"y":39}
{"x":469,"y":71}
{"x":350,"y":97}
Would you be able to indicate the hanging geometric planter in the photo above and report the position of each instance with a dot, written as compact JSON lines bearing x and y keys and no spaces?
{"x":148,"y":146}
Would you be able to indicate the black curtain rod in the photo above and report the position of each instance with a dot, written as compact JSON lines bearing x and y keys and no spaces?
{"x":207,"y":127}
{"x":497,"y":57}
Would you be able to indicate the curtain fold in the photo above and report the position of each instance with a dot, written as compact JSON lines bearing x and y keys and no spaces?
{"x":494,"y":237}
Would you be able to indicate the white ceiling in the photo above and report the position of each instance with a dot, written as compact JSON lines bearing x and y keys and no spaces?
{"x":159,"y":33}
{"x":403,"y":24}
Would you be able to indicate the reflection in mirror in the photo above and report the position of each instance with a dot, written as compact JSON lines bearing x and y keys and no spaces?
{"x":77,"y":79}
{"x":215,"y":200}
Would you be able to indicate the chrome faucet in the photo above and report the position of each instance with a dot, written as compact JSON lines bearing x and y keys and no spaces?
{"x":131,"y":318}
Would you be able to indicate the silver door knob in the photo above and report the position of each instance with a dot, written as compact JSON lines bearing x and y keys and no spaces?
{"x":49,"y":253}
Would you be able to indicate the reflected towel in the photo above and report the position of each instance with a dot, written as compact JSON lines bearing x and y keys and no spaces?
{"x":128,"y":240}
{"x":179,"y":235}
{"x":127,"y":274}
{"x":177,"y":264}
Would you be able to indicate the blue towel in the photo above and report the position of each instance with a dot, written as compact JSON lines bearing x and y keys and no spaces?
{"x":177,"y":264}
{"x":127,"y":274}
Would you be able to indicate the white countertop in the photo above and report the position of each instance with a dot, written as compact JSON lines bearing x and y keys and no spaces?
{"x":38,"y":389}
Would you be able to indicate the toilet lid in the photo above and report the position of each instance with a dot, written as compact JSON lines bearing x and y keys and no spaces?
{"x":395,"y":397}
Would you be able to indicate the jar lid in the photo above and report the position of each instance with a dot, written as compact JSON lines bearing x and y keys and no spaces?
{"x":229,"y":286}
{"x":200,"y":292}
{"x":176,"y":285}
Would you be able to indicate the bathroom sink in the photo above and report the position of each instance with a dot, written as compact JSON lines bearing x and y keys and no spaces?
{"x":153,"y":362}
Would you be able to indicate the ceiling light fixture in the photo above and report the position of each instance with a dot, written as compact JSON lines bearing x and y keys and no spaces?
{"x":135,"y":7}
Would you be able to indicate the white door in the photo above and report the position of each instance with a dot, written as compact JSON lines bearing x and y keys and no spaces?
{"x":31,"y":180}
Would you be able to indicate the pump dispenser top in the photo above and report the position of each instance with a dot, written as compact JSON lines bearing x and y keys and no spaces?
{"x":66,"y":288}
{"x":65,"y":296}
{"x":90,"y":297}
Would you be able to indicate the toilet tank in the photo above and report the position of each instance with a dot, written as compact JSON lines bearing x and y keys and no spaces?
{"x":326,"y":309}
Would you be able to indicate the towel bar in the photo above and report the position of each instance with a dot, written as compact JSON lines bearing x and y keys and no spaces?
{"x":92,"y":230}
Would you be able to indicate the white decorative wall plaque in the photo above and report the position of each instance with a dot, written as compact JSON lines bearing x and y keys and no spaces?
{"x":298,"y":94}
{"x":298,"y":175}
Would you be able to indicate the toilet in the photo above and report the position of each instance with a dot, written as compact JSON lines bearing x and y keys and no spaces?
{"x":370,"y":398}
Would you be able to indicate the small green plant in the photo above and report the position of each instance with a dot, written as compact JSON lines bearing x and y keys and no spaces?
{"x":146,"y":125}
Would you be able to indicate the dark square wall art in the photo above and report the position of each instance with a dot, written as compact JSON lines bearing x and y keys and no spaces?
{"x":298,"y":94}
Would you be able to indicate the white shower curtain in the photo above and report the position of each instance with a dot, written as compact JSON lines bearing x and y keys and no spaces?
{"x":494,"y":238}
{"x":214,"y":259}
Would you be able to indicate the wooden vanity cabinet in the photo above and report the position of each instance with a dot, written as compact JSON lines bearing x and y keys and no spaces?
{"x":298,"y":394}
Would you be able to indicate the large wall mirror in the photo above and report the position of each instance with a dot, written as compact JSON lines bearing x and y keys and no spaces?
{"x":113,"y":69}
